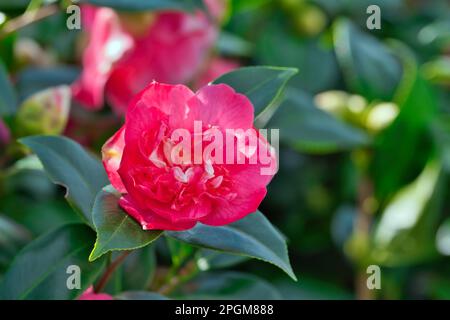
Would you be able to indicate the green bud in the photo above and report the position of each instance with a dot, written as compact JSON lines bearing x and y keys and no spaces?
{"x":348,"y":107}
{"x":381,"y":115}
{"x":45,"y":112}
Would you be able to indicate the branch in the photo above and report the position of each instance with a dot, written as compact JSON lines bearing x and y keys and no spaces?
{"x":110,"y":271}
{"x":28,"y":18}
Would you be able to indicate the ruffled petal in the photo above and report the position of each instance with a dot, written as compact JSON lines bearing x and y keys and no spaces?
{"x":112,"y":152}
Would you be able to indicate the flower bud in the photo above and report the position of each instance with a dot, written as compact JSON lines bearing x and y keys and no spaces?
{"x":381,"y":115}
{"x":45,"y":112}
{"x":351,"y":108}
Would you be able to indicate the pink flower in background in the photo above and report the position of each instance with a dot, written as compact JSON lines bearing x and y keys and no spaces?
{"x":120,"y":63}
{"x":217,"y":67}
{"x":89,"y":294}
{"x":217,"y":8}
{"x":5,"y":135}
{"x":107,"y":45}
{"x":163,"y":194}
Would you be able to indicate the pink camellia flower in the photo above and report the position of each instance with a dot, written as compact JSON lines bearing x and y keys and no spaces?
{"x":89,"y":294}
{"x":168,"y":187}
{"x":120,"y":63}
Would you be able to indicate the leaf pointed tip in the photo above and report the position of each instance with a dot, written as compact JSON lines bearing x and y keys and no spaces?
{"x":95,"y":254}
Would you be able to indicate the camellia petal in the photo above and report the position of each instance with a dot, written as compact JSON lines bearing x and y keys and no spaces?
{"x":221,"y":106}
{"x":112,"y":156}
{"x":89,"y":294}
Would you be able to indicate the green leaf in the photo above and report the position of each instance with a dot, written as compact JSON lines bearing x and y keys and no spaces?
{"x":13,"y":237}
{"x":8,"y":100}
{"x":278,"y":45}
{"x":68,"y":164}
{"x":262,"y":85}
{"x":252,"y":236}
{"x":135,"y":273}
{"x":211,"y":259}
{"x":39,"y":272}
{"x":139,"y":5}
{"x":140,"y":295}
{"x":307,"y":128}
{"x":116,"y":230}
{"x":410,"y":132}
{"x":32,"y":80}
{"x":228,"y":285}
{"x":406,"y":230}
{"x":368,"y":66}
{"x":443,"y":238}
{"x":138,"y":269}
{"x":441,"y":135}
{"x":229,"y":44}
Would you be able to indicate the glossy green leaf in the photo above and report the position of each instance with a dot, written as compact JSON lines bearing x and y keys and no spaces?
{"x":262,"y":85}
{"x":8,"y":100}
{"x":68,"y":164}
{"x":368,"y":66}
{"x":317,"y":63}
{"x":405,"y":232}
{"x":138,"y":269}
{"x":32,"y":80}
{"x":139,"y":5}
{"x":393,"y":164}
{"x":40,"y":271}
{"x":229,"y":285}
{"x":307,"y":128}
{"x":253,"y":236}
{"x":441,"y":135}
{"x":13,"y":237}
{"x":116,"y":230}
{"x":211,"y":259}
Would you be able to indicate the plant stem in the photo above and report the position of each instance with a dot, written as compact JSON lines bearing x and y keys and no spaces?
{"x":362,"y":229}
{"x":27,"y":18}
{"x":110,"y":271}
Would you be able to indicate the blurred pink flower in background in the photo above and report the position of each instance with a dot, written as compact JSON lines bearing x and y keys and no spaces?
{"x":164,"y":194}
{"x":119,"y":62}
{"x":5,"y":135}
{"x":89,"y":294}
